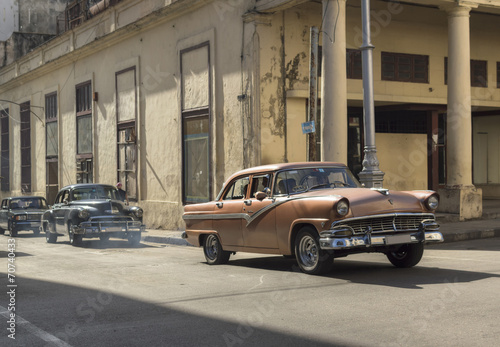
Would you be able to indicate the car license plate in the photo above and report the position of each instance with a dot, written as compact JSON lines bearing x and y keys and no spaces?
{"x":397,"y":239}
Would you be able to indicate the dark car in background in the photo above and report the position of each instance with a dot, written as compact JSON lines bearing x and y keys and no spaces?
{"x":22,"y":213}
{"x":92,"y":211}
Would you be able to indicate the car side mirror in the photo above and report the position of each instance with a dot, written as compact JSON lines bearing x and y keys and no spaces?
{"x":260,"y":196}
{"x":65,"y":202}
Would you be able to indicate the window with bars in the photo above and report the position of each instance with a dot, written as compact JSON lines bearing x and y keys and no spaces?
{"x":25,"y":147}
{"x":51,"y":147}
{"x":195,"y":115}
{"x":126,"y":115}
{"x":84,"y":133}
{"x":405,"y":67}
{"x":5,"y":152}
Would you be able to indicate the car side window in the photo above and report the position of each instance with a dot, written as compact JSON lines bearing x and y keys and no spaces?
{"x":260,"y":183}
{"x":237,"y":190}
{"x":4,"y":204}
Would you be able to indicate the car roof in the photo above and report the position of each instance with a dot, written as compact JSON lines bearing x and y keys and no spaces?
{"x":286,"y":166}
{"x":25,"y":197}
{"x":84,"y":185}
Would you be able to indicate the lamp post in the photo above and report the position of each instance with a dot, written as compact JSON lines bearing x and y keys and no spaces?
{"x":371,"y":175}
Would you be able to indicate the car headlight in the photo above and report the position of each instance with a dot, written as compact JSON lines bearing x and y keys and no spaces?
{"x":432,"y":202}
{"x":83,"y":214}
{"x":138,"y":212}
{"x":20,"y":217}
{"x":342,"y":207}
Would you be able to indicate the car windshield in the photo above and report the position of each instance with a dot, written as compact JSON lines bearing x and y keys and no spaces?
{"x":95,"y":192}
{"x":302,"y":180}
{"x":28,"y":203}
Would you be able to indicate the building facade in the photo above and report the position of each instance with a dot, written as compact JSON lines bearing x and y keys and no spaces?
{"x":171,"y":97}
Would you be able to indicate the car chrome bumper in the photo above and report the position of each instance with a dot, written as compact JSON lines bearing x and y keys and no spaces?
{"x":25,"y":225}
{"x":93,"y":227}
{"x":339,"y":238}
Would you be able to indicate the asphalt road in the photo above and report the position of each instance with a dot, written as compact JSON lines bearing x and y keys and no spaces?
{"x":159,"y":295}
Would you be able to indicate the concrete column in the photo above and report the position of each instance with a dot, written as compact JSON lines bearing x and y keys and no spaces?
{"x":334,"y":83}
{"x":459,"y":196}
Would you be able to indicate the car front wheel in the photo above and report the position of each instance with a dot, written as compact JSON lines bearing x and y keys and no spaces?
{"x":12,"y":231}
{"x":214,"y":254}
{"x":406,"y":255}
{"x":74,"y":239}
{"x":310,"y":257}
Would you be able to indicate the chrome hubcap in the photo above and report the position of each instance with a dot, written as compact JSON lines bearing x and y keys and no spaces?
{"x":308,"y":252}
{"x":212,"y":245}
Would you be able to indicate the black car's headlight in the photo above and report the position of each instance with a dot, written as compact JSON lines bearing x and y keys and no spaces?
{"x":20,"y":217}
{"x":138,"y":212}
{"x":83,"y":214}
{"x":432,"y":202}
{"x":342,"y":207}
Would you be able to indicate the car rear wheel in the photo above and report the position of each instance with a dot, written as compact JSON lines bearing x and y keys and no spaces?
{"x":2,"y":231}
{"x":214,"y":254}
{"x":134,"y":239}
{"x":407,"y":255}
{"x":74,"y":239}
{"x":49,"y":237}
{"x":310,"y":257}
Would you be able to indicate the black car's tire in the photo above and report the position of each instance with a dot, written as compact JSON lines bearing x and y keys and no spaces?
{"x":74,"y":239}
{"x":134,"y":239}
{"x":407,"y":255}
{"x":2,"y":231}
{"x":104,"y":237}
{"x":49,"y":237}
{"x":214,"y":254}
{"x":311,"y":258}
{"x":36,"y":232}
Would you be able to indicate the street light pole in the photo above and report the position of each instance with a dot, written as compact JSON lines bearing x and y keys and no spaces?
{"x":371,"y":175}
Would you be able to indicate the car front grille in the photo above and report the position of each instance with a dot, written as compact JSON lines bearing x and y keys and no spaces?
{"x":33,"y":217}
{"x":384,"y":223}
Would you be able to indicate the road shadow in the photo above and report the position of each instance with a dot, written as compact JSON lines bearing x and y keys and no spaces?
{"x":373,"y":273}
{"x":51,"y":314}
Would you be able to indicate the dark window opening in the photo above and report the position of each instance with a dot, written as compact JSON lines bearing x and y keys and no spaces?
{"x":25,"y":148}
{"x":52,"y":147}
{"x":84,"y":133}
{"x":405,"y":67}
{"x":354,"y":64}
{"x":5,"y":157}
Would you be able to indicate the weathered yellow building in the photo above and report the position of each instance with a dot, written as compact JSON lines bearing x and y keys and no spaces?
{"x":171,"y":96}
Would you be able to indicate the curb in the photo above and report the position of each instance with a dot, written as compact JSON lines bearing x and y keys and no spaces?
{"x":471,"y":235}
{"x":448,"y":237}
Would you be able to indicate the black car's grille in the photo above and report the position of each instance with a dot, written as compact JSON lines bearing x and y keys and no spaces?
{"x":113,"y":218}
{"x":33,"y":216}
{"x":385,"y":223}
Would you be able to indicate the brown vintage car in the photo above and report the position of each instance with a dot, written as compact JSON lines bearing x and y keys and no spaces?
{"x":315,"y":211}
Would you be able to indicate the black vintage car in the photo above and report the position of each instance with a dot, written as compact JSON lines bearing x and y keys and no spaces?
{"x":91,"y":211}
{"x":22,"y":213}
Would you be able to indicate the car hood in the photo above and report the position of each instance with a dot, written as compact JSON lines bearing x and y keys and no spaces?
{"x":102,"y":206}
{"x":365,"y":201}
{"x":30,"y":211}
